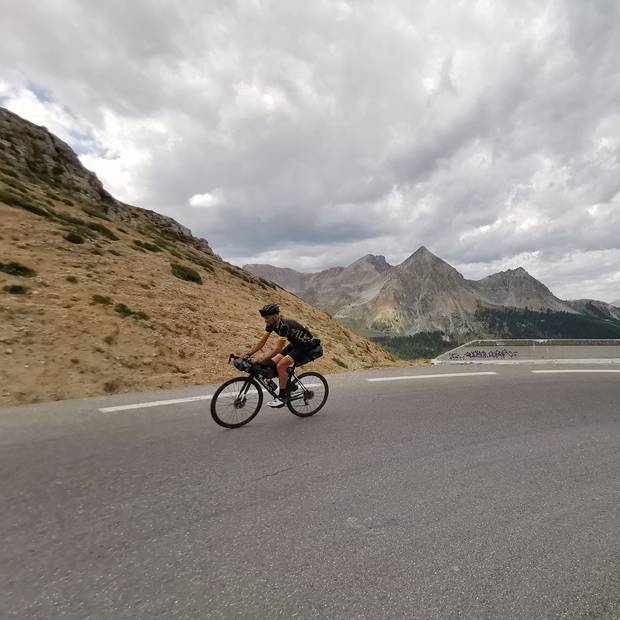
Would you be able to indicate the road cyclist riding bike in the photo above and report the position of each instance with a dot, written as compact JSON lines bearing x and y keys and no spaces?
{"x":238,"y":400}
{"x":300,"y":341}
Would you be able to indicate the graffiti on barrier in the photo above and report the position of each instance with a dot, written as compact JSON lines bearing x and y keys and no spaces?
{"x":502,"y":354}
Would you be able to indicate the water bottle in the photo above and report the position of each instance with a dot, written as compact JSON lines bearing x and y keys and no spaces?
{"x":271,"y":384}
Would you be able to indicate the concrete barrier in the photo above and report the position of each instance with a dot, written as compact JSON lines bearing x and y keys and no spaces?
{"x":533,"y":351}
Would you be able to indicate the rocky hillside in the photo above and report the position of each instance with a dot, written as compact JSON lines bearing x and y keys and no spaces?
{"x":424,"y":294}
{"x":516,"y":288}
{"x":596,"y":309}
{"x":97,"y":296}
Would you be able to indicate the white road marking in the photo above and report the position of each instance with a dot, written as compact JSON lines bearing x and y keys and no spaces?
{"x":446,"y":374}
{"x":155,"y":403}
{"x":580,"y":370}
{"x":605,"y":360}
{"x":189,"y":399}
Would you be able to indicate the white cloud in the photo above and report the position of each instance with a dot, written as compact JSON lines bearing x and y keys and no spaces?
{"x":205,"y":200}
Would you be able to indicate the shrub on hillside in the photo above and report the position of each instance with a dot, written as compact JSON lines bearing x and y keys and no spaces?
{"x":186,"y":273}
{"x":100,"y":299}
{"x":15,"y":289}
{"x":13,"y":200}
{"x":68,"y":219}
{"x":124,"y":311}
{"x":17,"y":269}
{"x":95,"y":213}
{"x":151,"y":247}
{"x":73,"y":237}
{"x":101,"y":229}
{"x":205,"y":263}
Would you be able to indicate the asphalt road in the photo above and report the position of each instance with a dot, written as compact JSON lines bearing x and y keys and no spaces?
{"x":485,"y":496}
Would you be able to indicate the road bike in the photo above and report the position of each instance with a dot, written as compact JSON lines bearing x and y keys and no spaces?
{"x":237,"y":401}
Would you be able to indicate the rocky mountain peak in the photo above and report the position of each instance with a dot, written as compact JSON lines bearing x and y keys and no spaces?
{"x":423,"y":263}
{"x":518,"y":288}
{"x":371,"y":262}
{"x":423,"y":255}
{"x":516,"y":277}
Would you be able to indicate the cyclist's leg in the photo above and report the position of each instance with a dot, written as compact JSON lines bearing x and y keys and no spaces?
{"x":282,"y":362}
{"x":281,"y":367}
{"x":276,"y":360}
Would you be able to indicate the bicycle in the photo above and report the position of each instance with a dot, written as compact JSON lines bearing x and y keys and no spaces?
{"x":237,"y":401}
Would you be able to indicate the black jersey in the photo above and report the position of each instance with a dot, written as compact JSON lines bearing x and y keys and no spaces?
{"x":293,"y":331}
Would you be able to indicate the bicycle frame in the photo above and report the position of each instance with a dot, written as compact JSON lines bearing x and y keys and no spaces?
{"x":263,"y":382}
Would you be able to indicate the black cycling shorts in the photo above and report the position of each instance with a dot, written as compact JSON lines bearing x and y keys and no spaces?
{"x":297,"y":352}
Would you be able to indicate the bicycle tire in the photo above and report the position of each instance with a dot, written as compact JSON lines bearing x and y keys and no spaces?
{"x":224,"y":402}
{"x":305,"y":404}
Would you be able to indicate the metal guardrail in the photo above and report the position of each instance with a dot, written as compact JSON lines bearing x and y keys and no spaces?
{"x":544,"y":350}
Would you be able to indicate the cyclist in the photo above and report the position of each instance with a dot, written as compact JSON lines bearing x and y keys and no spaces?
{"x":299,"y":338}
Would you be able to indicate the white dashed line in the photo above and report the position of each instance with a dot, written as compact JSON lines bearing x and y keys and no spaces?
{"x":155,"y":403}
{"x":559,"y":371}
{"x":446,"y":374}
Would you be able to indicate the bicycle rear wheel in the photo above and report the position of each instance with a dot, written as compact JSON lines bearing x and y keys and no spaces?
{"x":311,"y":396}
{"x":236,"y":402}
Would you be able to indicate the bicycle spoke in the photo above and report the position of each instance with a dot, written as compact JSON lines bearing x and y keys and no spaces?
{"x":236,"y":403}
{"x":311,"y":396}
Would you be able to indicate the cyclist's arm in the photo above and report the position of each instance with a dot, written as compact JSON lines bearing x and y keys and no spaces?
{"x":279,"y":346}
{"x":260,"y":345}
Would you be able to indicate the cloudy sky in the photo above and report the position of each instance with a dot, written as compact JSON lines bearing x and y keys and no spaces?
{"x":308,"y":133}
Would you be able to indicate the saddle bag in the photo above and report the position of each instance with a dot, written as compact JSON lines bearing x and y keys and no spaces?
{"x":312,"y":354}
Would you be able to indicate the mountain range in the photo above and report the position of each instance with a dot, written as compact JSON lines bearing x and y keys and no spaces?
{"x":423,"y":293}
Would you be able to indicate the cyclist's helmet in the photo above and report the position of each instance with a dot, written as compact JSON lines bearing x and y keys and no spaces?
{"x":269,"y":309}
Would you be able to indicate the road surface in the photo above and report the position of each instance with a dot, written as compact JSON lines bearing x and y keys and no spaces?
{"x":420,"y":496}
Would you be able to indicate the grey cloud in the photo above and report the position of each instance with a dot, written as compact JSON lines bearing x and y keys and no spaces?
{"x":308,"y":118}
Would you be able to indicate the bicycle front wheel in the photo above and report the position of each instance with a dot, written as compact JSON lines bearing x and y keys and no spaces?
{"x":236,"y":402}
{"x":311,"y":395}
